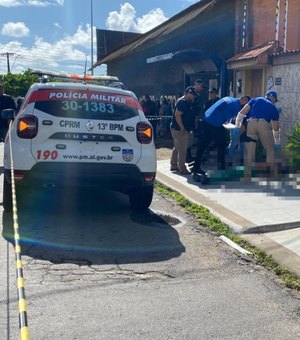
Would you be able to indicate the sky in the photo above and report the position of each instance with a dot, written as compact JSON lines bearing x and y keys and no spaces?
{"x":55,"y":35}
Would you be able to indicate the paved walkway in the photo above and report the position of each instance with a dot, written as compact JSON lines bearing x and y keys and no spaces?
{"x":266,"y":213}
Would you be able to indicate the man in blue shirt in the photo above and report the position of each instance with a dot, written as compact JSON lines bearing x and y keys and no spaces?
{"x":263,"y":124}
{"x":212,"y":128}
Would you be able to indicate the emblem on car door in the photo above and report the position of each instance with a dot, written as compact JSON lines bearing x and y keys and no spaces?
{"x":127,"y":155}
{"x":89,"y":126}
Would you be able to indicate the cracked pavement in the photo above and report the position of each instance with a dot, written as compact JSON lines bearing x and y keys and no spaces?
{"x":96,"y":270}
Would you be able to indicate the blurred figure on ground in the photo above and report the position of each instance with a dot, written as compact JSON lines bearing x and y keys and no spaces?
{"x":238,"y":136}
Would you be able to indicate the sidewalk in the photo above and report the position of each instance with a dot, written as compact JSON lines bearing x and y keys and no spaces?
{"x":266,"y":213}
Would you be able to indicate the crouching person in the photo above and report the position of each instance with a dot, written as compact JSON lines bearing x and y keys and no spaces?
{"x":262,"y":124}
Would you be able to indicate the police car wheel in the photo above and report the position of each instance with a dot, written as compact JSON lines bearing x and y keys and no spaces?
{"x":140,"y":199}
{"x":7,"y":195}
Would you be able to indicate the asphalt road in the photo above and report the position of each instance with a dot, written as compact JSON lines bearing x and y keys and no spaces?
{"x":94,"y":269}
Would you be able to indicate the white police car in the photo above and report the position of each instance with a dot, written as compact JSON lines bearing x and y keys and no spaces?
{"x":79,"y":134}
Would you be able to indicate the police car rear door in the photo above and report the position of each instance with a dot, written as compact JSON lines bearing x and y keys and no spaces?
{"x":86,"y":123}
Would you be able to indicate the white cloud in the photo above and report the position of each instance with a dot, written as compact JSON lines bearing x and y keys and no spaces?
{"x":35,"y":3}
{"x":11,"y":3}
{"x":71,"y":52}
{"x":44,"y":55}
{"x":151,"y":20}
{"x":57,"y":52}
{"x":82,"y":37}
{"x":126,"y":20}
{"x":15,"y":29}
{"x":123,"y":20}
{"x":38,"y":3}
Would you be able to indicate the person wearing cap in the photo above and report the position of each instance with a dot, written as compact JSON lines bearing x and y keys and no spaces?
{"x":201,"y":98}
{"x":263,"y":125}
{"x":198,"y":108}
{"x":213,"y":98}
{"x":213,"y":130}
{"x":181,"y":125}
{"x":6,"y":102}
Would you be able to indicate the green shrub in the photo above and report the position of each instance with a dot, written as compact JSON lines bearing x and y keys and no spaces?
{"x":293,"y":147}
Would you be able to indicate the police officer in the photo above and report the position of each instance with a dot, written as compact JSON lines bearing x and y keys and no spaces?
{"x":181,"y":126}
{"x":198,"y":108}
{"x":213,"y":130}
{"x":260,"y":112}
{"x":213,"y":98}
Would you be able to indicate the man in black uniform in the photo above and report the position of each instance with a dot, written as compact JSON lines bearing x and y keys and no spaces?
{"x":213,"y":98}
{"x":198,"y":108}
{"x":181,"y":126}
{"x":6,"y":102}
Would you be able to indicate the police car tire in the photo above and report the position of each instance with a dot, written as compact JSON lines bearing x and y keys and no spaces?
{"x":7,"y":195}
{"x":140,"y":199}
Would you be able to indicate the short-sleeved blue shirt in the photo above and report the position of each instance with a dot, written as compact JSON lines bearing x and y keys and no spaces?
{"x":222,"y":111}
{"x":263,"y":108}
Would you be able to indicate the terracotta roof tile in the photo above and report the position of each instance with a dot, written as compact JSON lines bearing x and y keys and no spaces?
{"x":253,"y":53}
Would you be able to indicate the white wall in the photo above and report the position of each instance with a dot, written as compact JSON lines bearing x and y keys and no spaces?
{"x":288,"y":95}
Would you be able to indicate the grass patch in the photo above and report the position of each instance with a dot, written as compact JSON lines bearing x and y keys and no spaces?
{"x":205,"y":218}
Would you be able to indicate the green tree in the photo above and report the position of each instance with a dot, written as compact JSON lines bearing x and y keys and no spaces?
{"x":18,"y":84}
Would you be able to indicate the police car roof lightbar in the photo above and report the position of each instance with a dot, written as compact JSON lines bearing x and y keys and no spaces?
{"x":65,"y":75}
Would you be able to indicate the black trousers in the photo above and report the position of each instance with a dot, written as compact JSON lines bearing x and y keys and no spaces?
{"x":208,"y":134}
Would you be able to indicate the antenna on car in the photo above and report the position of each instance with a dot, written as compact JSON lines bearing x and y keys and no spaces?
{"x":85,"y":66}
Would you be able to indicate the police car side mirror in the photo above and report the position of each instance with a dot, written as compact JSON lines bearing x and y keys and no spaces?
{"x":8,"y":114}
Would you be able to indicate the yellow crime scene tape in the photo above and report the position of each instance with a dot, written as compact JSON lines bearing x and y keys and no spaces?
{"x":22,"y":305}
